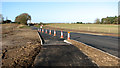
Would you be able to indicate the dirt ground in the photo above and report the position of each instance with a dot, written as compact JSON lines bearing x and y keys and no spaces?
{"x":19,"y":46}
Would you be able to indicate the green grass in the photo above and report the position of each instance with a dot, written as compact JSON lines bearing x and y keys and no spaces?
{"x":104,"y":28}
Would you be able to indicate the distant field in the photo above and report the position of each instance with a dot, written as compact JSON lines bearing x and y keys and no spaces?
{"x":104,"y":28}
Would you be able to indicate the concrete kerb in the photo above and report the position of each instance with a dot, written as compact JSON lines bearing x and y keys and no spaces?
{"x":67,"y":42}
{"x":41,"y":40}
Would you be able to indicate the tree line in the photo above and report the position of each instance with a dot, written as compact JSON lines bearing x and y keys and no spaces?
{"x":20,"y":19}
{"x":24,"y":17}
{"x":4,"y":21}
{"x":108,"y":20}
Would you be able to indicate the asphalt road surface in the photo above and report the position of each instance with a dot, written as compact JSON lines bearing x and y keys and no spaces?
{"x":107,"y":44}
{"x":55,"y":52}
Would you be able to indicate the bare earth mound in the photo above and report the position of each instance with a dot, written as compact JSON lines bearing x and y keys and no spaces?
{"x":19,"y":47}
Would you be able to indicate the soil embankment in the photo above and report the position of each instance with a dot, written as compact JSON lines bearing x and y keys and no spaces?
{"x":19,"y":46}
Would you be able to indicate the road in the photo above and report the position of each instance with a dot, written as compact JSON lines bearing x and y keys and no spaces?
{"x":107,"y":44}
{"x":55,"y":52}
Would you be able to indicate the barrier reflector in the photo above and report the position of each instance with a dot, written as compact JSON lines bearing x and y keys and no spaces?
{"x":61,"y":34}
{"x":68,"y":36}
{"x":49,"y":32}
{"x":54,"y":33}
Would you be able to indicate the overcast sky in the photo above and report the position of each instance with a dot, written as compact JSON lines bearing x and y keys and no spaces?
{"x":51,"y":11}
